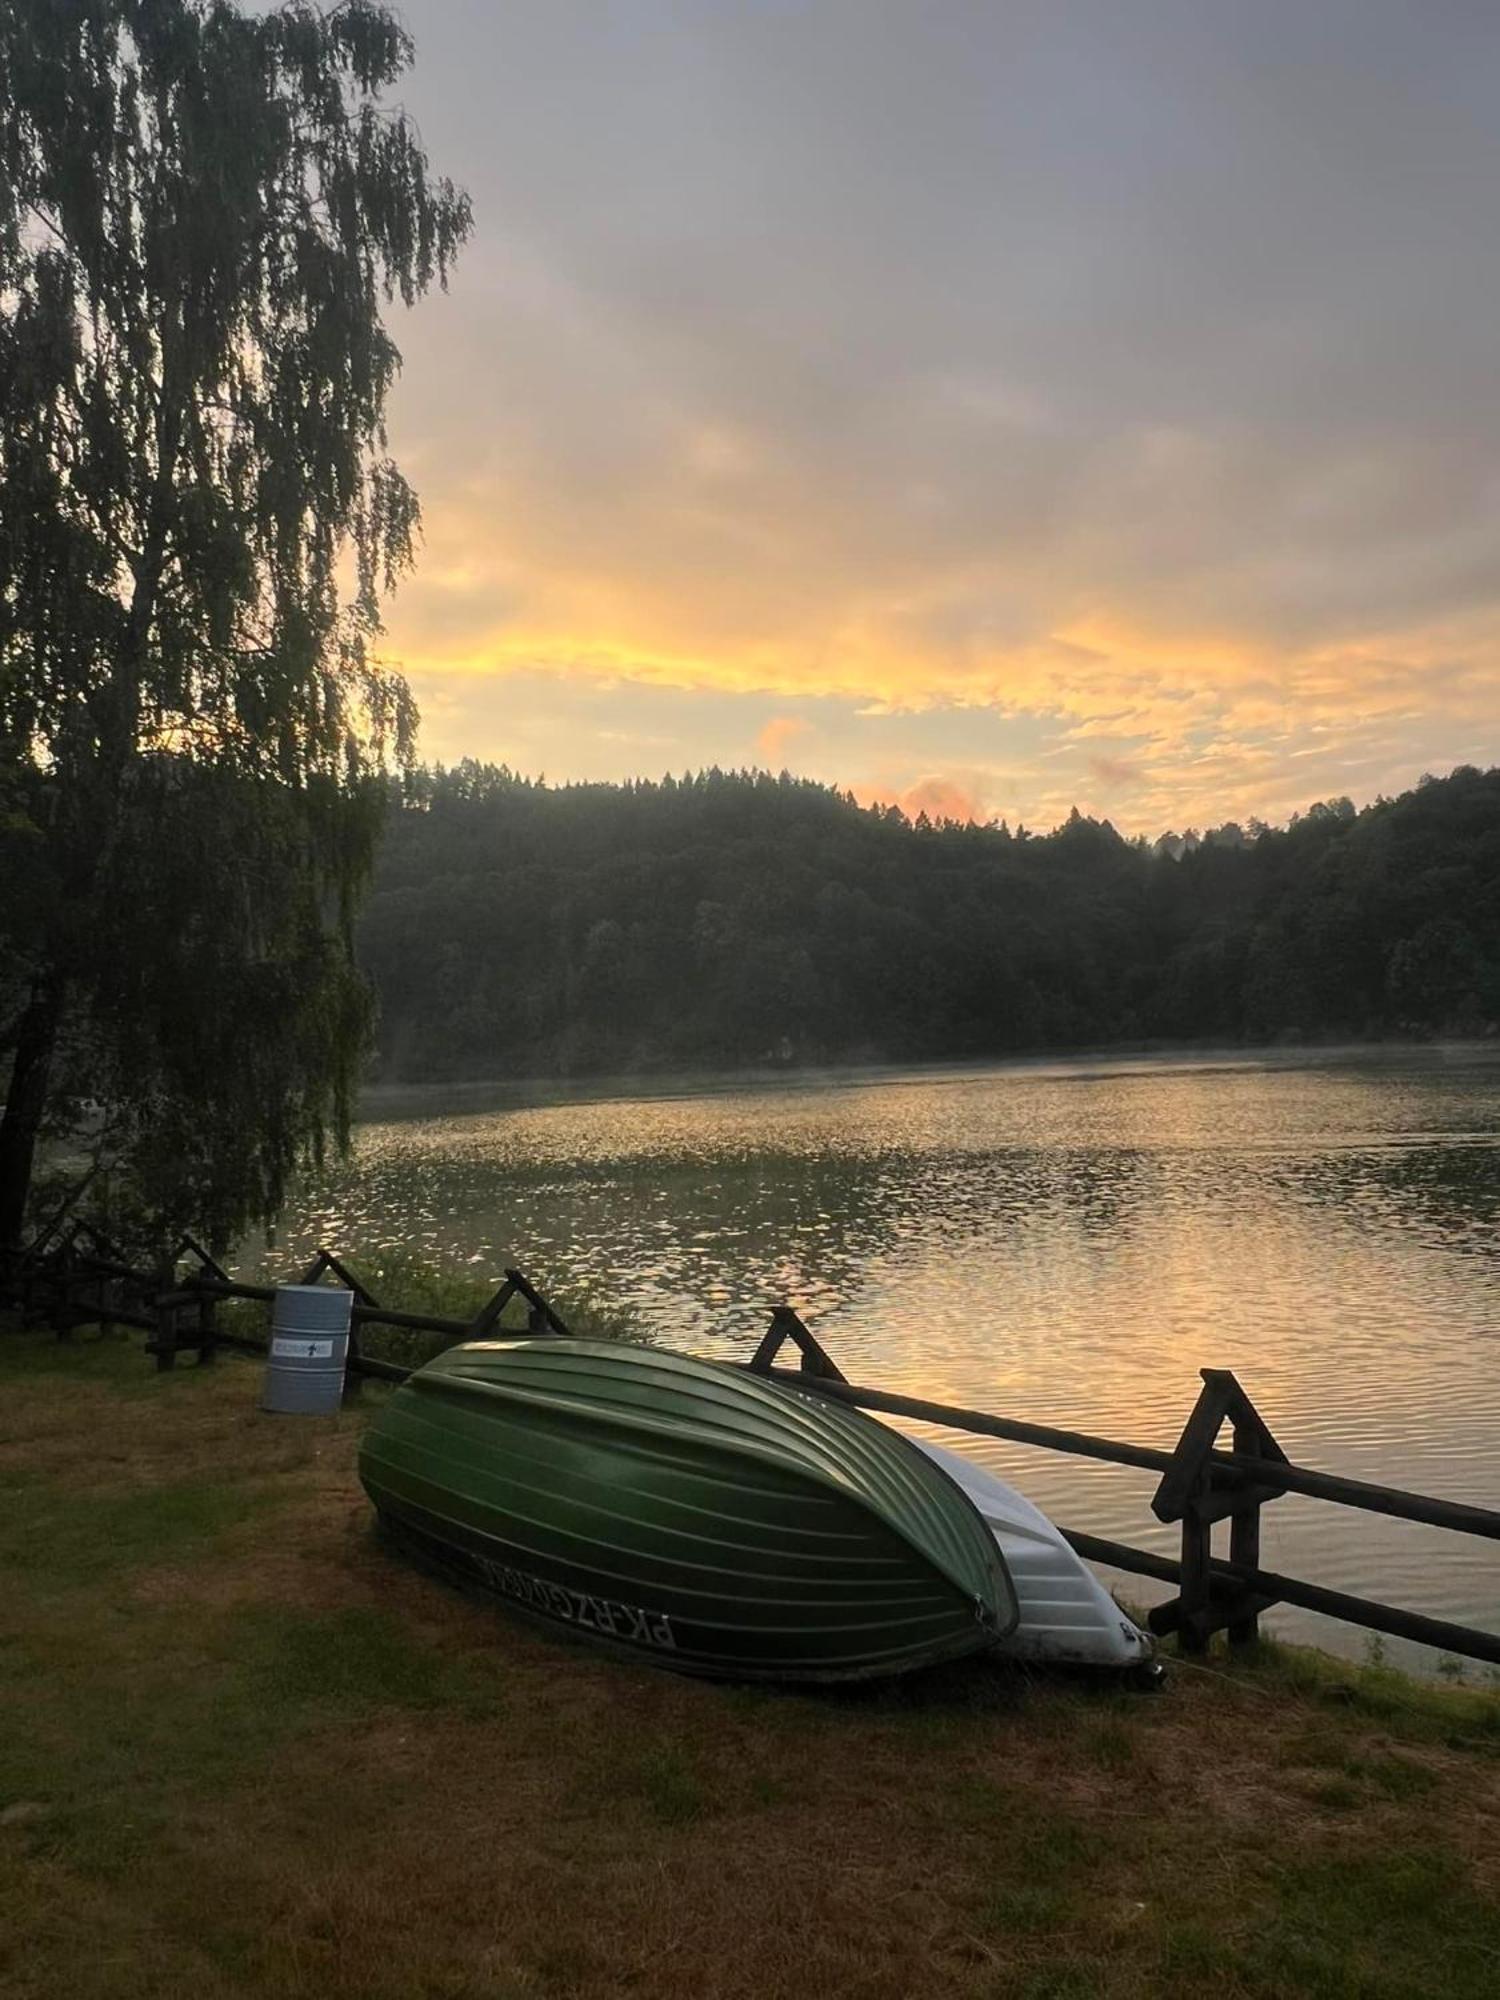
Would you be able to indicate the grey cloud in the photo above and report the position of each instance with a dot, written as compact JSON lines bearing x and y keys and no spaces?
{"x":1024,"y":310}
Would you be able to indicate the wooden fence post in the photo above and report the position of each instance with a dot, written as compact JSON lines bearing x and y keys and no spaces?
{"x":164,"y":1345}
{"x":103,"y":1288}
{"x":207,"y":1305}
{"x":487,"y":1318}
{"x":107,"y":1297}
{"x":1198,"y":1493}
{"x":353,"y":1374}
{"x":326,"y":1261}
{"x":21,"y":1285}
{"x":541,"y":1315}
{"x":1244,"y":1536}
{"x":787,"y":1325}
{"x":1195,"y":1599}
{"x":63,"y":1278}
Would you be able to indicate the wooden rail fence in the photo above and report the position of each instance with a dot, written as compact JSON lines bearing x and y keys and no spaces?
{"x":84,"y":1280}
{"x":73,"y":1286}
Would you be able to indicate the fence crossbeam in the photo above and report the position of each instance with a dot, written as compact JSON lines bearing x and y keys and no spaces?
{"x":1200,"y":1484}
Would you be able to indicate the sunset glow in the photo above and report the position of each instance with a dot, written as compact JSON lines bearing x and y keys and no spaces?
{"x":1008,"y":407}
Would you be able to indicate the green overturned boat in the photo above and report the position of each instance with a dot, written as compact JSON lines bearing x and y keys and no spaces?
{"x":685,"y":1512}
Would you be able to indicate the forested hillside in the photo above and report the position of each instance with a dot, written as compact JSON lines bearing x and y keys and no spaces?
{"x":517,"y":928}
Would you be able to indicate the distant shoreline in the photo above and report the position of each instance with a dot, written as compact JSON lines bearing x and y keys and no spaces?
{"x":452,"y":1096}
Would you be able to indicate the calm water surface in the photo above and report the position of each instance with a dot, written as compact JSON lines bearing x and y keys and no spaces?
{"x":1069,"y":1244}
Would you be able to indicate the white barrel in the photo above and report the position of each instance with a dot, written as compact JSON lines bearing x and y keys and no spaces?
{"x":309,"y":1347}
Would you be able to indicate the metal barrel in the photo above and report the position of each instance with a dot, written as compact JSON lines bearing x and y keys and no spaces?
{"x":309,"y":1347}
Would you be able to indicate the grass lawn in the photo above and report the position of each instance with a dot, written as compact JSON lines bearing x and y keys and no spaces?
{"x":244,"y":1752}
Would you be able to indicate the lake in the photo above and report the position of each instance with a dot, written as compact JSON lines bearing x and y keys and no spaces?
{"x":1068,"y":1243}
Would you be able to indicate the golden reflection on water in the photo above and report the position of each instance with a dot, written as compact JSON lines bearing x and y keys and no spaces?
{"x":1071,"y":1243}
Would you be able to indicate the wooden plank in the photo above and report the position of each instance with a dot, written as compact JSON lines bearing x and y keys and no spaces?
{"x":1120,"y":1555}
{"x":1253,"y":1439}
{"x":1252,"y":1434}
{"x":326,"y":1261}
{"x":1199,"y":1468}
{"x":165,"y":1344}
{"x":815,"y":1359}
{"x":196,"y":1249}
{"x":771,"y":1343}
{"x":111,"y":1267}
{"x":104,"y":1244}
{"x":142,"y":1322}
{"x":410,"y":1322}
{"x":1226,"y":1602}
{"x":1077,"y":1443}
{"x":1375,"y":1617}
{"x":349,"y":1393}
{"x":1223,"y":1503}
{"x":240,"y":1343}
{"x":1184,"y":1478}
{"x":1195,"y":1601}
{"x":1394,"y":1501}
{"x":206,"y":1330}
{"x":788,"y":1325}
{"x":1390,"y":1500}
{"x":534,"y":1298}
{"x":488,"y":1315}
{"x":1466,"y":1641}
{"x":381,"y":1371}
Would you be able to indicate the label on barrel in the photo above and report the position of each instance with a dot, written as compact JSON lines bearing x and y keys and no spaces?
{"x":302,"y":1350}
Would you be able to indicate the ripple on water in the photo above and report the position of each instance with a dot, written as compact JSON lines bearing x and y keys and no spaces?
{"x":1068,"y":1244}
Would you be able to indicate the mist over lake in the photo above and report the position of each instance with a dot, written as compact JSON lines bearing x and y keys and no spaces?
{"x":1068,"y":1242}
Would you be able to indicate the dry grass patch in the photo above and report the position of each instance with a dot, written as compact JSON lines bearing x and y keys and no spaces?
{"x":254,"y":1755}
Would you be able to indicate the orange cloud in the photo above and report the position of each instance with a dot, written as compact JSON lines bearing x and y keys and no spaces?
{"x":1217,"y":715}
{"x":939,"y":798}
{"x":779,"y":733}
{"x":790,"y":591}
{"x":1112,"y":770}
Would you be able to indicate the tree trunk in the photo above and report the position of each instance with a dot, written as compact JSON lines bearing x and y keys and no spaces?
{"x":25,"y":1102}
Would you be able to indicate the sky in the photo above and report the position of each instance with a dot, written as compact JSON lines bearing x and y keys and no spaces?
{"x":993,"y":407}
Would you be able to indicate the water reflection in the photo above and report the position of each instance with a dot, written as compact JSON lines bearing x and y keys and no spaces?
{"x":1071,"y":1243}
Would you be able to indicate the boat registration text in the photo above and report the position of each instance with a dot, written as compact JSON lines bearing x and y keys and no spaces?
{"x":631,"y":1622}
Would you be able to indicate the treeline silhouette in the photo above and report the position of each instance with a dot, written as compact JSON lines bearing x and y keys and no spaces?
{"x":517,"y":928}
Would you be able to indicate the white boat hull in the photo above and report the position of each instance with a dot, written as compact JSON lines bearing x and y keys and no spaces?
{"x":1066,"y":1613}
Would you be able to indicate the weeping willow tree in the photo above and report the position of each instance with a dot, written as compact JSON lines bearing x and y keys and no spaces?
{"x":204,"y":215}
